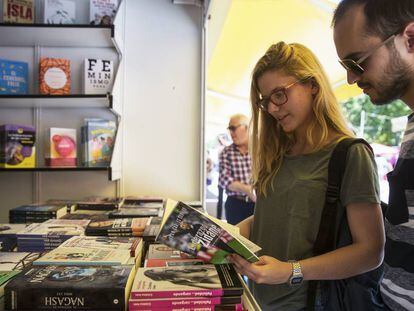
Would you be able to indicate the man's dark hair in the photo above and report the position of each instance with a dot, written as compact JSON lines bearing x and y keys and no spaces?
{"x":383,"y":17}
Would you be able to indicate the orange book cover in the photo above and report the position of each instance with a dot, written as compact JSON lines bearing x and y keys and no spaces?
{"x":54,"y":76}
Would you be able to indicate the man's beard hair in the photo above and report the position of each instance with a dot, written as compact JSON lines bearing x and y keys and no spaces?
{"x":396,"y":79}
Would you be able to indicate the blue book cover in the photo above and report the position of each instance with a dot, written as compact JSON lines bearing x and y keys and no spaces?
{"x":13,"y":77}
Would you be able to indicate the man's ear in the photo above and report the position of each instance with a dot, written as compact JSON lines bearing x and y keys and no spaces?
{"x":409,"y":35}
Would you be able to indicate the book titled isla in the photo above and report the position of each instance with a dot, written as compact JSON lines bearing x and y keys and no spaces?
{"x":186,"y":281}
{"x":201,"y":235}
{"x":18,"y":11}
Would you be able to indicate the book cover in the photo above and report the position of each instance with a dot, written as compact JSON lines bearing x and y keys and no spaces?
{"x":61,"y":148}
{"x":80,"y":256}
{"x":105,"y":242}
{"x":98,"y":76}
{"x":18,"y":11}
{"x":11,"y":261}
{"x":14,"y":77}
{"x":150,"y":232}
{"x":139,"y":200}
{"x":59,"y":12}
{"x":153,"y":263}
{"x":186,"y":281}
{"x":54,"y":76}
{"x":8,"y":239}
{"x":102,"y":12}
{"x":201,"y":235}
{"x":98,"y":138}
{"x":17,"y":146}
{"x":189,"y":302}
{"x":54,"y":228}
{"x":130,"y":212}
{"x":161,"y":251}
{"x":70,"y":288}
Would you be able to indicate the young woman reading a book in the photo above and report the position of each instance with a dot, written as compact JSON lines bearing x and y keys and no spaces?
{"x":296,"y":124}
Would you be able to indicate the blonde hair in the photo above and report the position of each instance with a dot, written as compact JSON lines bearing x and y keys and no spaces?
{"x":269,"y":143}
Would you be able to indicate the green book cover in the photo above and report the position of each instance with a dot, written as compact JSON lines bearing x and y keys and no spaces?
{"x":201,"y":235}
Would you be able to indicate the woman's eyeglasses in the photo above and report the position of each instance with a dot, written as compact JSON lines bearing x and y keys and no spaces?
{"x":354,"y":66}
{"x":278,"y":96}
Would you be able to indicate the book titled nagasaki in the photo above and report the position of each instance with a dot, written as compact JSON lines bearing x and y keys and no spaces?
{"x":70,"y":288}
{"x":186,"y":281}
{"x":201,"y":235}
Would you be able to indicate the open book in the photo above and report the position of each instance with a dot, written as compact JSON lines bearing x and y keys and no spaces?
{"x":201,"y":235}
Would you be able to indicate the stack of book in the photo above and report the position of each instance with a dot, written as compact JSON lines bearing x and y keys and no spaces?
{"x":210,"y":287}
{"x":40,"y":237}
{"x":99,"y":203}
{"x":37,"y":212}
{"x":129,"y":227}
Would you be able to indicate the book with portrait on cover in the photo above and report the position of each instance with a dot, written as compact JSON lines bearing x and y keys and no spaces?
{"x":201,"y":235}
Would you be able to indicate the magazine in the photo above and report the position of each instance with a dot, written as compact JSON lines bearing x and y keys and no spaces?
{"x":201,"y":235}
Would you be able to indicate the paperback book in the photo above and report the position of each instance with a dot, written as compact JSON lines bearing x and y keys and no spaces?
{"x":59,"y":12}
{"x":128,"y":227}
{"x":102,"y":12}
{"x":99,"y":203}
{"x":186,"y":281}
{"x":80,"y":256}
{"x":98,"y":138}
{"x":18,"y":11}
{"x":11,"y":261}
{"x":70,"y":288}
{"x":8,"y":239}
{"x":17,"y":146}
{"x":98,"y":76}
{"x":61,"y":147}
{"x":14,"y":77}
{"x":36,"y":212}
{"x":54,"y":76}
{"x":201,"y":235}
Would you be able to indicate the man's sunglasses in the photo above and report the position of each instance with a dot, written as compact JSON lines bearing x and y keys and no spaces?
{"x":354,"y":66}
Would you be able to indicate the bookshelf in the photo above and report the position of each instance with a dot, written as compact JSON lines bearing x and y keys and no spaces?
{"x":76,"y":42}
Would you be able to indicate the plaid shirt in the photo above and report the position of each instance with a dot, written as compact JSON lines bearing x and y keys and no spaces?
{"x":234,"y":166}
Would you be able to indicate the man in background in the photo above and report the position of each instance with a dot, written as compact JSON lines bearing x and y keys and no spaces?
{"x":235,"y":172}
{"x":375,"y":43}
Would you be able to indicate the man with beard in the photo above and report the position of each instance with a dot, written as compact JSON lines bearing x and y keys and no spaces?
{"x":375,"y":43}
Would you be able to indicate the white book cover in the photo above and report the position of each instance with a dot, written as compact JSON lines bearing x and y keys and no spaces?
{"x":98,"y":76}
{"x":55,"y":227}
{"x":100,"y":242}
{"x":83,"y":256}
{"x":102,"y":12}
{"x":59,"y":12}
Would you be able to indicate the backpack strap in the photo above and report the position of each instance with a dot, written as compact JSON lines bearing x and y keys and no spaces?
{"x":326,"y":238}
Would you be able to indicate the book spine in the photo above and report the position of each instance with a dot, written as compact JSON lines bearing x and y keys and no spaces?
{"x":177,"y":294}
{"x":145,"y":304}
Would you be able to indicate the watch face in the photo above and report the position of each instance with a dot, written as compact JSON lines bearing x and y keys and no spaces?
{"x":296,"y":280}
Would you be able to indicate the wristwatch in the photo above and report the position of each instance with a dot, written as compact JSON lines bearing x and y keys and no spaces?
{"x":296,"y":277}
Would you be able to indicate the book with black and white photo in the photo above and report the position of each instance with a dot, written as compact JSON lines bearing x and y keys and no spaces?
{"x":59,"y":12}
{"x":201,"y":235}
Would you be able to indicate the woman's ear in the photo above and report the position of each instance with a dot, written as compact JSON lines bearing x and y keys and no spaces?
{"x":314,"y":86}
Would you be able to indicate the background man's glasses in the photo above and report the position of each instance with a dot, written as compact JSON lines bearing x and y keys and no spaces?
{"x":355,"y":66}
{"x":232,"y":128}
{"x":278,"y":96}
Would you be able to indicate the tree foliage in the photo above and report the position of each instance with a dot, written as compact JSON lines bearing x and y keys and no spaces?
{"x":377,"y":119}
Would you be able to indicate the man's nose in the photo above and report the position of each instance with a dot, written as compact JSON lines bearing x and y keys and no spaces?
{"x":352,"y":77}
